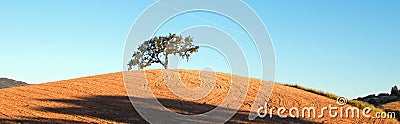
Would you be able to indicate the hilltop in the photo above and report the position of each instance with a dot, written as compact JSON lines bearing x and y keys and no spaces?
{"x":103,"y":99}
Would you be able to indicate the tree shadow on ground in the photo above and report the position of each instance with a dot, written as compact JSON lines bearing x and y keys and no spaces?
{"x":35,"y":120}
{"x":119,"y":109}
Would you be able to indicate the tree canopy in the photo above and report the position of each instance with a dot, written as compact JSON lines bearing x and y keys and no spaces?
{"x":157,"y":49}
{"x":395,"y":91}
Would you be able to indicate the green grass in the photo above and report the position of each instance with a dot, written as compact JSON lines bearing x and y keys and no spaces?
{"x":355,"y":103}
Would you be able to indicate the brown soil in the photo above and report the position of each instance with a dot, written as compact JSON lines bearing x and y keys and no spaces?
{"x":391,"y":106}
{"x":104,"y":99}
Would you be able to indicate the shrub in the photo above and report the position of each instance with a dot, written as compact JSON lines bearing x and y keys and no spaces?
{"x":395,"y":91}
{"x":384,"y":94}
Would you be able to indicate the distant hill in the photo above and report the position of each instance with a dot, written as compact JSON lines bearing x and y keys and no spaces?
{"x":382,"y":98}
{"x":7,"y":83}
{"x":387,"y":102}
{"x":378,"y":100}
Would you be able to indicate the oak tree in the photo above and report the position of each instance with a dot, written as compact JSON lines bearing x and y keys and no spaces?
{"x":157,"y":49}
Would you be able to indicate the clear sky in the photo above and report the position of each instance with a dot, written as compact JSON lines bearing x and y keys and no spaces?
{"x":349,"y":48}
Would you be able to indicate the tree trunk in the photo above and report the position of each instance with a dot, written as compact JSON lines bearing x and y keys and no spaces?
{"x":166,"y":62}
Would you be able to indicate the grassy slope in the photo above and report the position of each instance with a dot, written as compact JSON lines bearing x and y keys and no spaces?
{"x":392,"y":107}
{"x":356,"y":103}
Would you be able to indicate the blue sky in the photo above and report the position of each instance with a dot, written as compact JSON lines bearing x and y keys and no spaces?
{"x":349,"y":48}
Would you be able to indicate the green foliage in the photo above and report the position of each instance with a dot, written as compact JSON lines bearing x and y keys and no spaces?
{"x":395,"y":91}
{"x":153,"y":50}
